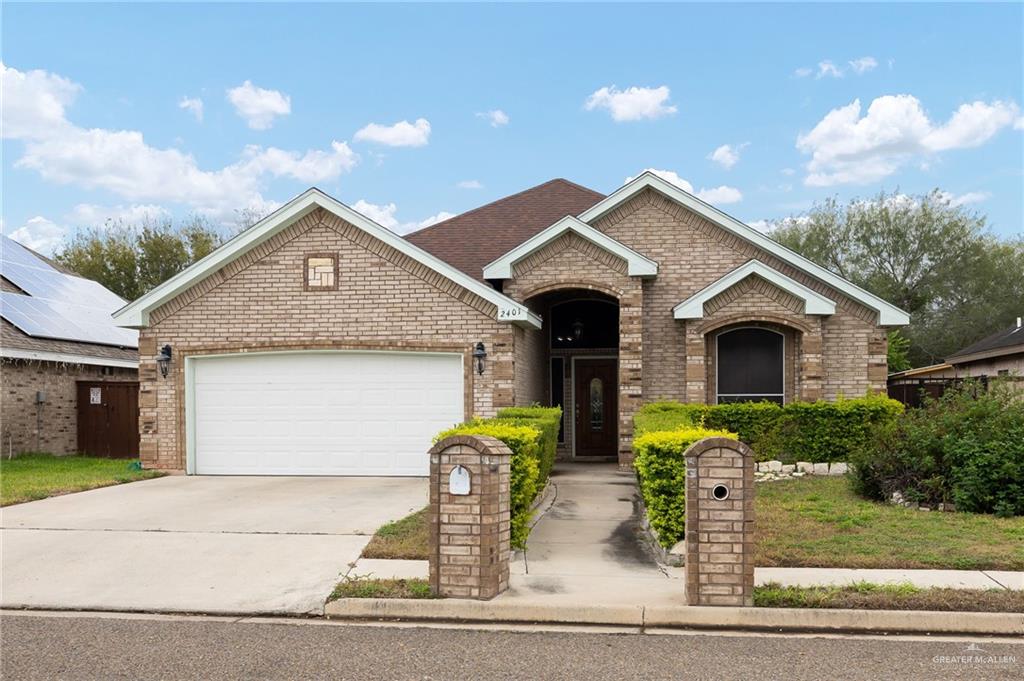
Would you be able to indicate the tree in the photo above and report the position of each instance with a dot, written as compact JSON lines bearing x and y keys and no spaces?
{"x":925,"y":255}
{"x":132,"y":259}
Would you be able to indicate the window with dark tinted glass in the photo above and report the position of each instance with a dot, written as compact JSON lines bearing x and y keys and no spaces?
{"x":750,"y":365}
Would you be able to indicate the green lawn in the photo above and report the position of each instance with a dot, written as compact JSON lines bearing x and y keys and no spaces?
{"x":37,"y":476}
{"x":408,"y":538}
{"x":864,"y":596}
{"x":820,"y":522}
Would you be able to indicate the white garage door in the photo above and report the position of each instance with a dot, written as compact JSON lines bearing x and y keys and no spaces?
{"x":322,"y":413}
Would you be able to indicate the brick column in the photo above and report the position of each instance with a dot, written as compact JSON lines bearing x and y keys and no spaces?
{"x":470,"y":533}
{"x":719,"y":523}
{"x":812,"y":373}
{"x":631,"y":367}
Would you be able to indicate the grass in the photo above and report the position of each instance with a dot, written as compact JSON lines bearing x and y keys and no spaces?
{"x":408,"y":538}
{"x":369,"y":587}
{"x":865,"y":596}
{"x":36,"y":476}
{"x":820,"y":522}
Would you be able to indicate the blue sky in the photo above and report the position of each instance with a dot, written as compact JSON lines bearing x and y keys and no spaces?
{"x":391,"y":108}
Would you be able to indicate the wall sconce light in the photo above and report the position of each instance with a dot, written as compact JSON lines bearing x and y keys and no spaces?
{"x":479,"y":354}
{"x":577,"y":329}
{"x":163,"y":360}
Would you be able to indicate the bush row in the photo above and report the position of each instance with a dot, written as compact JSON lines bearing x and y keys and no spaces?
{"x":661,"y":474}
{"x":966,"y":448}
{"x":800,"y":431}
{"x":532,"y":435}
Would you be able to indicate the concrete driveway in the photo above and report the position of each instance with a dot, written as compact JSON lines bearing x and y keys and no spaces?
{"x":253,"y":545}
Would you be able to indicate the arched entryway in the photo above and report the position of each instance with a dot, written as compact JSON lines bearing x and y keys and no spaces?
{"x":581,"y":332}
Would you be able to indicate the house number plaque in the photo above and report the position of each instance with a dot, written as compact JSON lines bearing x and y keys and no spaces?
{"x":458,"y":481}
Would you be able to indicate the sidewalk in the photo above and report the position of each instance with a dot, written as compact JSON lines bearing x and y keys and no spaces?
{"x":585,"y":547}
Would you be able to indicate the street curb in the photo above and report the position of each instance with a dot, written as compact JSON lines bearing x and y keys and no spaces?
{"x":683,"y":617}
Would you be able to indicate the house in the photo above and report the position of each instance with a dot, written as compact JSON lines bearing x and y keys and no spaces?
{"x":999,"y":355}
{"x":318,"y":342}
{"x":69,"y":375}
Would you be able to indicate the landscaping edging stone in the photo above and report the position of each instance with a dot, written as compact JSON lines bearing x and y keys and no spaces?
{"x":770,"y":471}
{"x":681,"y":616}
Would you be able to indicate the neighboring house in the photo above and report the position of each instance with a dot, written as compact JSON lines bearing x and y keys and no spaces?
{"x":69,"y":375}
{"x":1000,"y":354}
{"x":318,"y":342}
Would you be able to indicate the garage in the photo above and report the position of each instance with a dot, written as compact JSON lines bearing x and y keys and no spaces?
{"x":319,"y":412}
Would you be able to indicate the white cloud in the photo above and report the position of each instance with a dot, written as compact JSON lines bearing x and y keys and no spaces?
{"x":193,"y":105}
{"x":1019,"y":123}
{"x":727,"y":155}
{"x":39,"y":234}
{"x":763,"y":226}
{"x":121,"y":162}
{"x":863,"y":65}
{"x":311,"y":167}
{"x":964,"y":199}
{"x":470,"y":184}
{"x":496,"y":117}
{"x":259,"y":107}
{"x":719,"y":195}
{"x":632,"y":104}
{"x":401,"y":134}
{"x":803,"y":72}
{"x":848,"y":148}
{"x":788,"y":171}
{"x":33,"y":102}
{"x":385,"y":215}
{"x":827,"y":69}
{"x":91,"y":215}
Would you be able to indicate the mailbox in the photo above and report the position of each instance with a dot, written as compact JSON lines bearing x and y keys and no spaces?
{"x":458,"y":481}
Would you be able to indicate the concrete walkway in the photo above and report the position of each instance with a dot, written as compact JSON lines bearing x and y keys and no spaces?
{"x":586,"y":547}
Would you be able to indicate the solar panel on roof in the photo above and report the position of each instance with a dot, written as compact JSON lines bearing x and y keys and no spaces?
{"x":59,"y":306}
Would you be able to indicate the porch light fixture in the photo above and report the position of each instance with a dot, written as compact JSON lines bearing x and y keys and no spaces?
{"x":163,"y":360}
{"x":577,"y":329}
{"x":479,"y":354}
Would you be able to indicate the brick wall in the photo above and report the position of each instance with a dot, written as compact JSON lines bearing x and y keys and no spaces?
{"x":58,"y":416}
{"x":691,"y":253}
{"x":384,"y":300}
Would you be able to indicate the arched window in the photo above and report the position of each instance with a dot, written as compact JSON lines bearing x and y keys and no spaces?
{"x":751,"y":365}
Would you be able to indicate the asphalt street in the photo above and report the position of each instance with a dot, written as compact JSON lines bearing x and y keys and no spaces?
{"x":35,"y":646}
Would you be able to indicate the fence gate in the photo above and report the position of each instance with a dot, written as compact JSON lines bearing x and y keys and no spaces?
{"x":108,"y":419}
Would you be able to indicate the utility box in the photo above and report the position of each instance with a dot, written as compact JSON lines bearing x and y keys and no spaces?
{"x":470,"y":517}
{"x":719,"y":523}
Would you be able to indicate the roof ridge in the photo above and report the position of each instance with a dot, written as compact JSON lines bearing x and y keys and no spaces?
{"x":503,"y":199}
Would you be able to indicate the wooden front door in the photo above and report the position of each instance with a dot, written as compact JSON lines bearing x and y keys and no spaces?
{"x":596,"y":408}
{"x":108,"y":419}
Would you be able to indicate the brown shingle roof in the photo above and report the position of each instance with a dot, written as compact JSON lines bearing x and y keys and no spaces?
{"x":1008,"y":339}
{"x":477,"y":237}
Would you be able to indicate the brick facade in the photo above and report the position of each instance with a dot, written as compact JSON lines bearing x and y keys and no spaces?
{"x":383,"y":300}
{"x":53,"y":425}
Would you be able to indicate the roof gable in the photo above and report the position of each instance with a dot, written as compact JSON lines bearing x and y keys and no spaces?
{"x":814,"y":303}
{"x":477,"y":237}
{"x":136,"y":314}
{"x":888,"y":314}
{"x":637,"y":265}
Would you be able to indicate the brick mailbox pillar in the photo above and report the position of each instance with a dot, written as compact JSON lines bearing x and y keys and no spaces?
{"x":719,"y":523}
{"x":469,"y":517}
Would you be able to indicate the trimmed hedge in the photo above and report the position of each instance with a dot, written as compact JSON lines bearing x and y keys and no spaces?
{"x":532,"y":435}
{"x":661,"y":474}
{"x":966,"y":448}
{"x":800,"y":431}
{"x":545,"y":419}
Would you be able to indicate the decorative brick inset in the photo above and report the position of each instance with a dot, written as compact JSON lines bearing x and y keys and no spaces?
{"x":321,"y":272}
{"x":470,"y":533}
{"x":719,"y":523}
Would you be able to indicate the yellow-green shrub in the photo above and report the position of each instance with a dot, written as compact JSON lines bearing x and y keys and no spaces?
{"x":661,"y":473}
{"x":524,"y":441}
{"x":545,"y":419}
